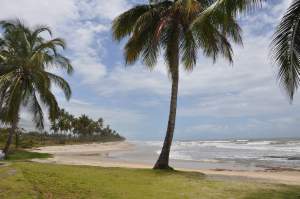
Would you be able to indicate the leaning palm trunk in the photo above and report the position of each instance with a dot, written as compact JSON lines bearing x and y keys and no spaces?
{"x":163,"y":160}
{"x":9,"y":139}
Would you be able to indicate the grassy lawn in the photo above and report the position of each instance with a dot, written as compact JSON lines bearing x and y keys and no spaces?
{"x":33,"y":180}
{"x":25,"y":155}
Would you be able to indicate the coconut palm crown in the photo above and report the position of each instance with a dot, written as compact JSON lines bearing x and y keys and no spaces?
{"x":168,"y":28}
{"x":25,"y":57}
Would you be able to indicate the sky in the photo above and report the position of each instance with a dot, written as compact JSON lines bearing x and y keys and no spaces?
{"x":216,"y":101}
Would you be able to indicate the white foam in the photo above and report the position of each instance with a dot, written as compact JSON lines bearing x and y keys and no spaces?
{"x":154,"y":143}
{"x":209,"y":160}
{"x":230,"y":150}
{"x":257,"y":145}
{"x":177,"y":155}
{"x":242,"y":140}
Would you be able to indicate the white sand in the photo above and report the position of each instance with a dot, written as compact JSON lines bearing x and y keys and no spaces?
{"x":96,"y":155}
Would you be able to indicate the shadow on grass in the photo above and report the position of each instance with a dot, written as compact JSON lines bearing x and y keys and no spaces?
{"x":187,"y":174}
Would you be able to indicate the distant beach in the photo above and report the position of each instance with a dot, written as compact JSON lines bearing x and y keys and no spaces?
{"x":280,"y":165}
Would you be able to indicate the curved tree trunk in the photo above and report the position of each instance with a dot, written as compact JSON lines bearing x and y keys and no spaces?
{"x":9,"y":139}
{"x":163,"y":160}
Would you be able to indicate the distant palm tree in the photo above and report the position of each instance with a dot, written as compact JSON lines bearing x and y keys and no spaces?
{"x":168,"y":26}
{"x":24,"y":79}
{"x":286,"y":49}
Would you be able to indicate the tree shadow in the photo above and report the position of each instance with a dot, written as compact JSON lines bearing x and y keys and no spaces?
{"x":187,"y":174}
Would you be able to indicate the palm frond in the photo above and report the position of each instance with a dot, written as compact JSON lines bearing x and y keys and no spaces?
{"x":39,"y":29}
{"x":169,"y":25}
{"x":51,"y":45}
{"x":42,"y":85}
{"x":189,"y":50}
{"x":125,"y":23}
{"x":36,"y":109}
{"x":143,"y":41}
{"x":50,"y":101}
{"x":63,"y":63}
{"x":213,"y":37}
{"x":228,"y":7}
{"x":286,"y":49}
{"x":170,"y":42}
{"x":61,"y":83}
{"x":13,"y":100}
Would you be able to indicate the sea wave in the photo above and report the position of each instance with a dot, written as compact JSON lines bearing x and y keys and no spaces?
{"x":179,"y":155}
{"x":234,"y":149}
{"x":287,"y":146}
{"x":227,"y":153}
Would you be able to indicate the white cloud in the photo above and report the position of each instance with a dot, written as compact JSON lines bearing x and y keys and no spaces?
{"x":252,"y":65}
{"x":52,"y":12}
{"x":102,"y":9}
{"x":87,"y":57}
{"x":133,"y":79}
{"x":244,"y":129}
{"x":111,"y":9}
{"x":78,"y":21}
{"x":246,"y":96}
{"x":249,"y":88}
{"x":246,"y":90}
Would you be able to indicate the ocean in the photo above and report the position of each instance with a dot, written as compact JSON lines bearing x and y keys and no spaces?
{"x":221,"y":154}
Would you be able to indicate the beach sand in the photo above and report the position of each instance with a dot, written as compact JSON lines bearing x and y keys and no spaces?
{"x":98,"y":154}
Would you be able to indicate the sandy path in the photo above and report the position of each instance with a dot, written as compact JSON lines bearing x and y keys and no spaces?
{"x":97,"y":155}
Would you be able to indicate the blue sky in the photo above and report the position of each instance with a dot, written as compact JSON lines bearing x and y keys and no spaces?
{"x":215,"y":100}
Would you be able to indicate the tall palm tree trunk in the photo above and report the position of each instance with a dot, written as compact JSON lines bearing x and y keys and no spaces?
{"x":9,"y":139}
{"x":163,"y":160}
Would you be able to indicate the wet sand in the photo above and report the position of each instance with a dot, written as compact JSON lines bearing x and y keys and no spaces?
{"x":98,"y":154}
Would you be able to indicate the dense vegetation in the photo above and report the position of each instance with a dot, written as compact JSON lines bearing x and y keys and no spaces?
{"x":82,"y":128}
{"x":66,"y":129}
{"x":32,"y":180}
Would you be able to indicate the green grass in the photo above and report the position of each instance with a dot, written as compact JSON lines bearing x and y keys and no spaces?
{"x":25,"y":155}
{"x":22,"y":180}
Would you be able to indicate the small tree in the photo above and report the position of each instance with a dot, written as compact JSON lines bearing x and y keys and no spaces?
{"x":24,"y":79}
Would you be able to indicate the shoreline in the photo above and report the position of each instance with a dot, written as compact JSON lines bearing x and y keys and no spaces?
{"x":88,"y":154}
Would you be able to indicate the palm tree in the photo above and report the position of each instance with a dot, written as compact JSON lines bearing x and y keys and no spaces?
{"x":286,"y":49}
{"x":24,"y":79}
{"x":168,"y":26}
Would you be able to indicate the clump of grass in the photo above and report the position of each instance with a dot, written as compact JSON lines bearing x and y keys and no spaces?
{"x":26,"y":155}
